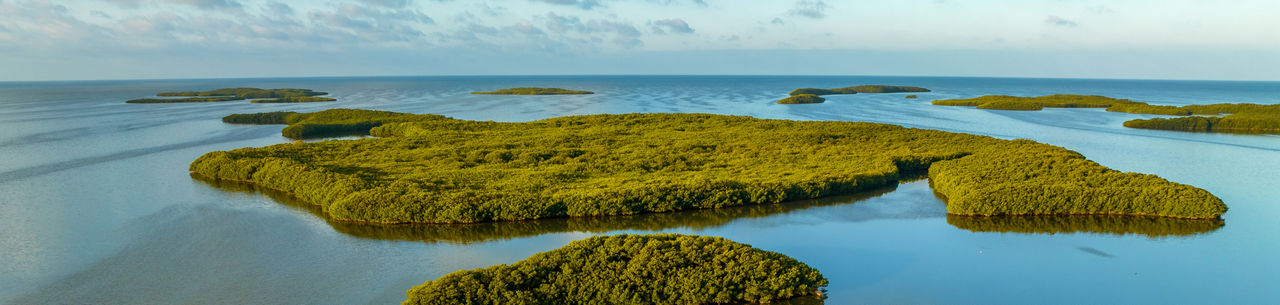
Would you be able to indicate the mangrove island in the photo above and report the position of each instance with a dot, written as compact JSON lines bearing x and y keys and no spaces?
{"x":434,"y":169}
{"x":858,"y":89}
{"x":802,"y":99}
{"x":632,"y":269}
{"x":287,"y":95}
{"x":1232,"y":118}
{"x":534,"y":91}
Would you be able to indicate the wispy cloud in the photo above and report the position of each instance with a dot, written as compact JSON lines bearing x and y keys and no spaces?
{"x":1059,"y":21}
{"x":582,"y":4}
{"x":816,"y":9}
{"x":675,"y":25}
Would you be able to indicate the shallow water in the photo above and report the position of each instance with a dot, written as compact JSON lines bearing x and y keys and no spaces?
{"x":96,"y":204}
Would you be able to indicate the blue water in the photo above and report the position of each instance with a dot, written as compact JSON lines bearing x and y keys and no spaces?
{"x":96,"y":204}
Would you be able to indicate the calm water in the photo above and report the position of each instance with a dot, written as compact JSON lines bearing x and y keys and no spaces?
{"x":96,"y":204}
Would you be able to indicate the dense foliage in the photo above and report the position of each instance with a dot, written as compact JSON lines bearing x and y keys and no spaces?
{"x":1247,"y":118}
{"x":296,"y":99}
{"x":181,"y":100}
{"x":802,"y":99}
{"x":248,"y":93}
{"x":279,"y":117}
{"x":631,"y":269}
{"x":1105,"y":224}
{"x":1240,"y":118}
{"x":534,"y":91}
{"x":235,"y":94}
{"x":858,"y":89}
{"x":432,"y":169}
{"x":1005,"y":102}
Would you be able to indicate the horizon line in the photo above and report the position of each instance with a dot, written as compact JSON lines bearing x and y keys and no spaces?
{"x":610,"y":74}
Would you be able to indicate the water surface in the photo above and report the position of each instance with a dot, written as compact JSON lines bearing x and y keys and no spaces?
{"x":97,"y":206}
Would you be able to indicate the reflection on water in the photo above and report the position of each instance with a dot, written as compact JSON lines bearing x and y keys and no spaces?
{"x":1154,"y":227}
{"x":478,"y":232}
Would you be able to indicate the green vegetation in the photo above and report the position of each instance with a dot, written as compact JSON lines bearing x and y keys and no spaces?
{"x":487,"y":231}
{"x":1240,"y":118}
{"x":1193,"y":124}
{"x":181,"y":100}
{"x":631,"y":269}
{"x":235,"y":94}
{"x":432,"y":169}
{"x":858,"y":89}
{"x":802,"y":99}
{"x":296,"y":99}
{"x":1153,"y":227}
{"x":535,"y":91}
{"x":248,"y":93}
{"x":1005,"y":102}
{"x":333,"y":122}
{"x":912,"y":96}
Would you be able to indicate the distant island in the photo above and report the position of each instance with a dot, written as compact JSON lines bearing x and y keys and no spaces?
{"x":632,"y":269}
{"x":814,"y":95}
{"x":802,"y":99}
{"x":287,"y":95}
{"x":480,"y":171}
{"x":1228,"y":118}
{"x":858,"y":89}
{"x":534,"y":91}
{"x":296,"y":99}
{"x":911,"y":96}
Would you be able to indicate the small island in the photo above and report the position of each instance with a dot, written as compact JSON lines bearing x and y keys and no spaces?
{"x":802,"y":99}
{"x":1226,"y":118}
{"x":296,"y":99}
{"x":912,"y":96}
{"x":632,"y":269}
{"x":534,"y":91}
{"x":858,"y":89}
{"x":287,"y":95}
{"x":434,"y":169}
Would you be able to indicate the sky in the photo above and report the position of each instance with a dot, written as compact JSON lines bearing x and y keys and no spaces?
{"x":158,"y":39}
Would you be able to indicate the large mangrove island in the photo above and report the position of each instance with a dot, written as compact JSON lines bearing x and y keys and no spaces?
{"x":1231,"y":118}
{"x":287,"y":95}
{"x":434,"y":169}
{"x":632,"y":269}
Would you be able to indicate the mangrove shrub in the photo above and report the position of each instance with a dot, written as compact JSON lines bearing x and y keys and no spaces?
{"x":631,"y":269}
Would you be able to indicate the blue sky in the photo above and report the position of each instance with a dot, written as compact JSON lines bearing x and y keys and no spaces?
{"x":133,"y":39}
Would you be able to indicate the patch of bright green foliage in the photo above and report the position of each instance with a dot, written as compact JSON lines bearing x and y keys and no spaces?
{"x":802,"y":99}
{"x":296,"y":99}
{"x":287,"y":95}
{"x":433,"y":169}
{"x":1240,"y":118}
{"x":534,"y":91}
{"x":631,"y":269}
{"x":326,"y":123}
{"x":1247,"y":118}
{"x":858,"y":89}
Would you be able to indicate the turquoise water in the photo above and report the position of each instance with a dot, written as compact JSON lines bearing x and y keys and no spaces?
{"x":96,"y":204}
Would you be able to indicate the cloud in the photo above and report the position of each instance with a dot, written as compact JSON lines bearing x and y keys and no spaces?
{"x":777,"y":20}
{"x":209,"y":4}
{"x":582,"y":4}
{"x":388,"y":3}
{"x":674,"y":25}
{"x":624,"y":34}
{"x":815,"y":9}
{"x":1058,"y":21}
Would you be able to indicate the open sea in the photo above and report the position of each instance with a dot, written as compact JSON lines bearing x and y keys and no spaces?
{"x":97,"y":205}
